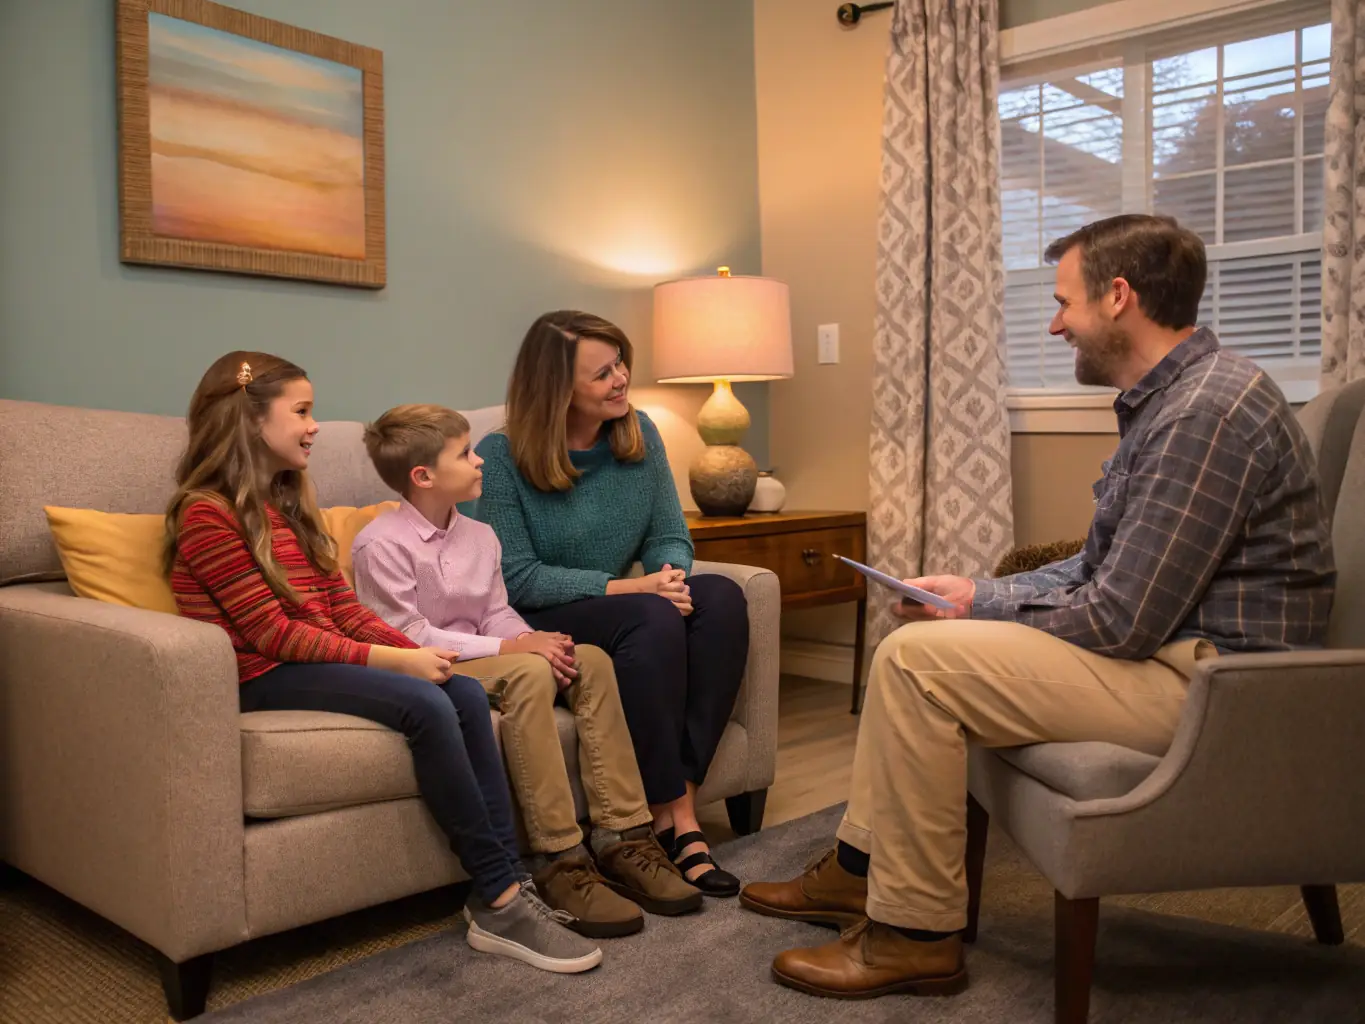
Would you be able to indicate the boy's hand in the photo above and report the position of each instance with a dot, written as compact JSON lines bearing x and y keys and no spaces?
{"x":556,"y":648}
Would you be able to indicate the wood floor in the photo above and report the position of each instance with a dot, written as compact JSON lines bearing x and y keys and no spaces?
{"x":815,"y":738}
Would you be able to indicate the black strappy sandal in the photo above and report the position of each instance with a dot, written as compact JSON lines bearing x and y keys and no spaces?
{"x":717,"y":882}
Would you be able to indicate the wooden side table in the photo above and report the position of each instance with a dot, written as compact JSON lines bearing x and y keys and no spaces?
{"x":800,"y":548}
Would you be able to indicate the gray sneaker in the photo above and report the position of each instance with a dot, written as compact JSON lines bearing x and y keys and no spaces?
{"x":529,"y":931}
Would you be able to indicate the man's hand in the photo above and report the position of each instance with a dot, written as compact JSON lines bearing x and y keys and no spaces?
{"x":556,"y":648}
{"x":957,"y":589}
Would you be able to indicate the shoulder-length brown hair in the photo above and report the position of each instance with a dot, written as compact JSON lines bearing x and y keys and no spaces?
{"x":221,"y":464}
{"x":541,"y":391}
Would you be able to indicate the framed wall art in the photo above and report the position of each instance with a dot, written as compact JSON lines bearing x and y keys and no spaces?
{"x":248,"y":146}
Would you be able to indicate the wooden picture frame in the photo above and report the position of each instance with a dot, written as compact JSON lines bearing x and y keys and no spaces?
{"x":248,"y":146}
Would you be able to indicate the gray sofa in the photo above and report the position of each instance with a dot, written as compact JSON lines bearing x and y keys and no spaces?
{"x":1263,"y":784}
{"x":129,"y":780}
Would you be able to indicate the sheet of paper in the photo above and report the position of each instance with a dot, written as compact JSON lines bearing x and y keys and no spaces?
{"x":913,"y":593}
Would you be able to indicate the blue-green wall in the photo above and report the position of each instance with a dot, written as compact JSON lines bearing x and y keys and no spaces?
{"x":540,"y":154}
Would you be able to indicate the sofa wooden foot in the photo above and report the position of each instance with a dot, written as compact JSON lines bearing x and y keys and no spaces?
{"x":186,"y":984}
{"x":746,"y":811}
{"x":1324,"y":912}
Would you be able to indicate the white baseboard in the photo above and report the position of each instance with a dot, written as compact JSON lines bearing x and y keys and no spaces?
{"x":816,"y":660}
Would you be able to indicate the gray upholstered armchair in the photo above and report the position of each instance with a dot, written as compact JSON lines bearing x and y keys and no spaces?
{"x":1264,"y":782}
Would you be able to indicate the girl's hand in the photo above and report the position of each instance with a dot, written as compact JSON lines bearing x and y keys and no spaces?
{"x":427,"y":663}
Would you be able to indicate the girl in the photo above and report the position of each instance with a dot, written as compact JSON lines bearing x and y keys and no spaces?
{"x":577,"y":488}
{"x":246,"y":552}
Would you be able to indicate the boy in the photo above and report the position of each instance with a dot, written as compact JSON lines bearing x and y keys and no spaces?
{"x":437,"y":576}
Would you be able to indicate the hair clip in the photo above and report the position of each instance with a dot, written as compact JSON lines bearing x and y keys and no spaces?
{"x":244,"y":375}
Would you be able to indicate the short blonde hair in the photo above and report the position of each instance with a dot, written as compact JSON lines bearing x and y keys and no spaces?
{"x":408,"y":436}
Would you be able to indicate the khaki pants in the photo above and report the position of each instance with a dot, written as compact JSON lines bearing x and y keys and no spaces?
{"x":935,"y":684}
{"x":535,"y":759}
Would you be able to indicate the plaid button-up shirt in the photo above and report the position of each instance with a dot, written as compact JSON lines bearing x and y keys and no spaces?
{"x":1208,"y":523}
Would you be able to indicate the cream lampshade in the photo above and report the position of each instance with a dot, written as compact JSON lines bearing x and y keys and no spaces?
{"x":721,"y":330}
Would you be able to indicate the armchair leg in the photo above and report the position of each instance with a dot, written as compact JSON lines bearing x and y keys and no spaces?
{"x":1324,"y":912}
{"x":746,"y":811}
{"x":186,"y":984}
{"x":1077,"y":926}
{"x":978,"y":828}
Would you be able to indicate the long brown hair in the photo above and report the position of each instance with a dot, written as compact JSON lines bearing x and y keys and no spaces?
{"x":541,"y":391}
{"x":221,"y":464}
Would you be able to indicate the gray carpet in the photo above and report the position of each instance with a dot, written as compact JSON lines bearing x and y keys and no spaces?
{"x":713,"y":967}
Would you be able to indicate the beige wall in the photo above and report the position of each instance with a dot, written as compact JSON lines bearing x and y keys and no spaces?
{"x":819,"y":95}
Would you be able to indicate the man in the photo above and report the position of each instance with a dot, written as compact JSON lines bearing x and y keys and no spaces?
{"x":1208,"y":536}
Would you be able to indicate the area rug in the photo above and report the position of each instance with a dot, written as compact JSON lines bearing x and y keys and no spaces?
{"x":1164,"y":960}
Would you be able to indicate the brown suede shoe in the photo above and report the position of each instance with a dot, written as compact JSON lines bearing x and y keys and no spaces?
{"x":640,"y":870}
{"x":872,"y":959}
{"x":824,"y":894}
{"x":572,"y":883}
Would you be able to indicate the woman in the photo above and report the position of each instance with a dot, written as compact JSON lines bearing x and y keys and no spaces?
{"x":578,"y":489}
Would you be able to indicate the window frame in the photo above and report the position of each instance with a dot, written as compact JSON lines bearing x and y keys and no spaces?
{"x":1117,"y":28}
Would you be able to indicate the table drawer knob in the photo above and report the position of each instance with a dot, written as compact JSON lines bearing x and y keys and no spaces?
{"x":810,"y":556}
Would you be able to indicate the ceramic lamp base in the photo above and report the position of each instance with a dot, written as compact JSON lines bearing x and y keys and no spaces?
{"x":722,"y":480}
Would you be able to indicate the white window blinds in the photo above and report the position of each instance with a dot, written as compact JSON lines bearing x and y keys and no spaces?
{"x":1219,"y":124}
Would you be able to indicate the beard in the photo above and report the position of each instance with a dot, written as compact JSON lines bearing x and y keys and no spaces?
{"x":1100,"y":353}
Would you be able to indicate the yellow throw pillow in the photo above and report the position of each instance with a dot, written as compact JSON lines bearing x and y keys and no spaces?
{"x":116,"y":557}
{"x":113,"y":556}
{"x":343,"y":522}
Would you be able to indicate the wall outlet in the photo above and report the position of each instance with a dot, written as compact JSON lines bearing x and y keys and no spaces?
{"x":827,"y":343}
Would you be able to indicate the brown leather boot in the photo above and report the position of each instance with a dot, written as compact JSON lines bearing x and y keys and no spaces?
{"x":572,"y":883}
{"x":872,"y":959}
{"x":824,"y":894}
{"x":639,"y":869}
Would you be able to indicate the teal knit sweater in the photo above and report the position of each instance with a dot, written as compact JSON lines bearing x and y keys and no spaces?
{"x":566,"y":545}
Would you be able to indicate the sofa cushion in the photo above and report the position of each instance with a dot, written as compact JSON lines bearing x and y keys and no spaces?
{"x":113,"y":556}
{"x":125,"y":462}
{"x":76,"y":458}
{"x":303,"y":762}
{"x":1082,"y":771}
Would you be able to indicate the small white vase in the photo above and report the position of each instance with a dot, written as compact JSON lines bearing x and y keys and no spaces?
{"x":769,"y":494}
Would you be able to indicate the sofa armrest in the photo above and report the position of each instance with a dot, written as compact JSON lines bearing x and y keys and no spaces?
{"x":120,"y":765}
{"x":756,"y":705}
{"x":1264,"y":781}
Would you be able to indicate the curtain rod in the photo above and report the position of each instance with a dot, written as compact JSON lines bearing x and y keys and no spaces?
{"x":851,"y":14}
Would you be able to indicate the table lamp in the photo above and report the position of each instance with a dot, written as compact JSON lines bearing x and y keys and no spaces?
{"x":722,"y":330}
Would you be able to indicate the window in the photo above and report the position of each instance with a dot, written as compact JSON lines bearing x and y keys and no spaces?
{"x":1218,"y":125}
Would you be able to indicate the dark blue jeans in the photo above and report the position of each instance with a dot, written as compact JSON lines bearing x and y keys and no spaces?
{"x":678,"y":677}
{"x":459,"y":770}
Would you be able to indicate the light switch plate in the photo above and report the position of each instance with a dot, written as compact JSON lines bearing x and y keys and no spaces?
{"x":827,"y":343}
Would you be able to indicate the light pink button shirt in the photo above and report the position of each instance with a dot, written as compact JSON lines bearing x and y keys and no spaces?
{"x":442,"y":588}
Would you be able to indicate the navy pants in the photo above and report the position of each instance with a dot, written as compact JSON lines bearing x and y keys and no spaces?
{"x":459,"y":770}
{"x":678,"y":675}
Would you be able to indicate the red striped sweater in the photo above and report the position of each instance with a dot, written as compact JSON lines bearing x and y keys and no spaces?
{"x":216,"y":579}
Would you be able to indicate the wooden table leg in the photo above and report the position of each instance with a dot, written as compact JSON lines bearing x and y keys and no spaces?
{"x":859,"y":640}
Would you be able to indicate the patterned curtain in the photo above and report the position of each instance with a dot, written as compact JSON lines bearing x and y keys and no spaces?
{"x":1343,"y":238}
{"x":940,"y":479}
